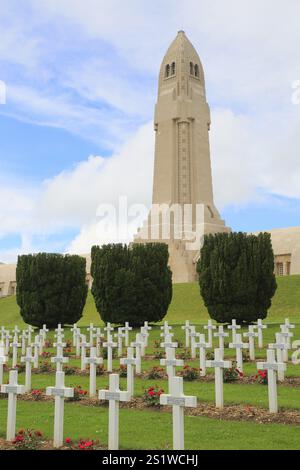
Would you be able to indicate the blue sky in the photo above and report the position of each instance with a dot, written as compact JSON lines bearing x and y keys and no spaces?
{"x":76,"y":129}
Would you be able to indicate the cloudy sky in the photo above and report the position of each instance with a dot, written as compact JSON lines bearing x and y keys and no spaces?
{"x":76,"y":130}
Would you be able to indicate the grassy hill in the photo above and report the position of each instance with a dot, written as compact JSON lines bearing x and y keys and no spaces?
{"x":186,"y":304}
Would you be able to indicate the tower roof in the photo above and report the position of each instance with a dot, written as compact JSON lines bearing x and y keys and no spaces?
{"x":182,"y":53}
{"x":182,"y":46}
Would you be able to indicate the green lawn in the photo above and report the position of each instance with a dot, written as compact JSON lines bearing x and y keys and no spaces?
{"x":153,"y":430}
{"x":186,"y":304}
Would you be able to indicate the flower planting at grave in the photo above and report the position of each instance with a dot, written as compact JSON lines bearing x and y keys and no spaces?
{"x":69,"y":370}
{"x":100,"y":369}
{"x":189,"y":373}
{"x":46,"y":355}
{"x":37,"y":394}
{"x":79,"y":393}
{"x":156,"y":373}
{"x":261,"y":377}
{"x":185,"y":355}
{"x":67,"y":351}
{"x":152,"y":395}
{"x":232,"y":374}
{"x":28,"y":439}
{"x":45,"y":368}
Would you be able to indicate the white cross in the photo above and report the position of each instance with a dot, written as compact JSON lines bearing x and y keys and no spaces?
{"x":126,"y":329}
{"x":59,"y":392}
{"x":221,"y":335}
{"x":23,"y":342}
{"x":15,"y":345}
{"x":260,"y":327}
{"x":166,"y":333}
{"x":28,"y":359}
{"x":30,"y":330}
{"x":251,"y":335}
{"x":234,"y":327}
{"x":120,"y":335}
{"x":98,"y":335}
{"x":138,"y":345}
{"x":286,"y":335}
{"x":272,"y":367}
{"x":146,"y":325}
{"x":109,"y":345}
{"x":41,"y":340}
{"x":16,"y":331}
{"x":3,"y":360}
{"x":219,"y":364}
{"x":168,"y":343}
{"x":59,"y":360}
{"x":36,"y":346}
{"x":109,"y":329}
{"x":193,"y":336}
{"x":13,"y":389}
{"x":288,"y":325}
{"x":74,"y":331}
{"x":145,"y":336}
{"x":44,"y":332}
{"x":91,"y":329}
{"x":3,"y":333}
{"x":84,"y":345}
{"x":93,"y":360}
{"x":171,"y":363}
{"x":7,"y":338}
{"x":210,"y":327}
{"x":178,"y":401}
{"x":166,"y":328}
{"x":238,"y":345}
{"x":279,"y":346}
{"x":202,"y":345}
{"x":78,"y":339}
{"x":59,"y":330}
{"x":59,"y":347}
{"x":59,"y":333}
{"x":186,"y":327}
{"x":130,"y":362}
{"x":114,"y":395}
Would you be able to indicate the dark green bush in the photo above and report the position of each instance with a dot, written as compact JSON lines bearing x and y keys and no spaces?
{"x":131,"y":283}
{"x":51,"y":288}
{"x":236,"y":276}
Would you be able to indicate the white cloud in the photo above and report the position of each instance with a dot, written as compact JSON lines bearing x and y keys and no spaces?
{"x":71,"y":199}
{"x":250,"y":53}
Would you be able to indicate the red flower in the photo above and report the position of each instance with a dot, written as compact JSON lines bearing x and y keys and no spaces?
{"x":38,"y":433}
{"x":68,"y":440}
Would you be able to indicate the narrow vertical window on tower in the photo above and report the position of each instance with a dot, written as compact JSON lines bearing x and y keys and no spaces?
{"x":173,"y":68}
{"x":167,"y":71}
{"x":196,"y":70}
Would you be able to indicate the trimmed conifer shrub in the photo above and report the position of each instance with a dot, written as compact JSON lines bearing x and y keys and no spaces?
{"x":131,"y":283}
{"x":236,"y":276}
{"x":51,"y":288}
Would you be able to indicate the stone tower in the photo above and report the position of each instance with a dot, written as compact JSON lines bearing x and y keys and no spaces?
{"x":182,"y":168}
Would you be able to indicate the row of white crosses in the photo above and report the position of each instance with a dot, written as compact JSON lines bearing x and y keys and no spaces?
{"x":114,"y":395}
{"x":23,"y":339}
